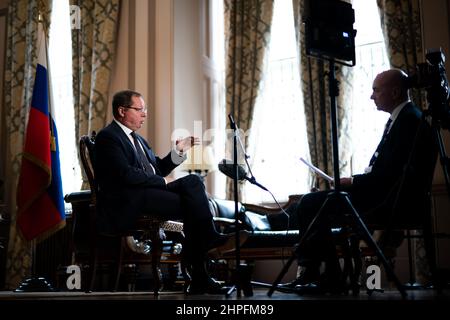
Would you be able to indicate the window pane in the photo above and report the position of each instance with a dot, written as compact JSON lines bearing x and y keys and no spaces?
{"x":278,"y":135}
{"x":60,"y":55}
{"x":371,"y":58}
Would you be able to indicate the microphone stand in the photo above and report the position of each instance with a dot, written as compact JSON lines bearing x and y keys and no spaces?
{"x":250,"y":179}
{"x":237,"y":286}
{"x":242,"y":276}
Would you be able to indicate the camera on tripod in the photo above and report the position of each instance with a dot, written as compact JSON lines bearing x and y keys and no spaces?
{"x":432,"y":77}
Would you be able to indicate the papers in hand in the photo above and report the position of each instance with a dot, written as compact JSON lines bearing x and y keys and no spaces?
{"x":317,"y":170}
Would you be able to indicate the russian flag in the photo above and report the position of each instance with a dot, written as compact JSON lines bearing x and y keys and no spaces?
{"x":40,"y":205}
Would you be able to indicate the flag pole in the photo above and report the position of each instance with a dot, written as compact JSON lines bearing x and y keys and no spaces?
{"x":35,"y":283}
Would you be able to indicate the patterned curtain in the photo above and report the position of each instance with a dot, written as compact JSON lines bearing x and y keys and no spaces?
{"x":316,"y":98}
{"x":93,"y":49}
{"x":247,"y":27}
{"x":20,"y":69}
{"x":400,"y":22}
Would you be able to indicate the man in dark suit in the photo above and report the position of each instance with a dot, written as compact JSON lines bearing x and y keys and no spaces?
{"x":131,"y":183}
{"x":406,"y":141}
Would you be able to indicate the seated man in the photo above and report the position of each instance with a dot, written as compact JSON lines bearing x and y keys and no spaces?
{"x":131,"y":184}
{"x":381,"y":180}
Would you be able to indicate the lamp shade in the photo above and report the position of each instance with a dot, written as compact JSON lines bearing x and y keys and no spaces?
{"x":199,"y":159}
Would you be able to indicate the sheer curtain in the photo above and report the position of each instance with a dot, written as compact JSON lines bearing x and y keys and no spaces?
{"x":247,"y":31}
{"x":371,"y":59}
{"x":60,"y":55}
{"x":278,"y":136}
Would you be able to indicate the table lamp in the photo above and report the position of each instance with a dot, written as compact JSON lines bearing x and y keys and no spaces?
{"x":199,"y":161}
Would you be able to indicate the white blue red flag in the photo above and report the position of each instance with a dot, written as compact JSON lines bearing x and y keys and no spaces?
{"x":40,"y":204}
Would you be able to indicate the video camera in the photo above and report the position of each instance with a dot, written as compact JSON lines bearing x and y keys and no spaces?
{"x":432,"y":77}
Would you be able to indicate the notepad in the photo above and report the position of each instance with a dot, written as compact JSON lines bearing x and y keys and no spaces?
{"x":317,"y":170}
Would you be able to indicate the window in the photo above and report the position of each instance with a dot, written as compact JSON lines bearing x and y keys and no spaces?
{"x":278,"y":137}
{"x":279,"y":134}
{"x":60,"y":68}
{"x":371,"y":58}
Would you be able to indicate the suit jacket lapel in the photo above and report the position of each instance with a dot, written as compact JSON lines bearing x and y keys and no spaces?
{"x":122,"y":134}
{"x":148,"y":151}
{"x":150,"y":154}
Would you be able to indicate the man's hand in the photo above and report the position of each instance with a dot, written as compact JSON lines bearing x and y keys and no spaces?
{"x":185,"y":144}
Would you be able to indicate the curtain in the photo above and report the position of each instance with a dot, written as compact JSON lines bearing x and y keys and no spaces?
{"x":401,"y":25}
{"x":20,"y":69}
{"x":315,"y":88}
{"x":93,"y":49}
{"x":247,"y":27}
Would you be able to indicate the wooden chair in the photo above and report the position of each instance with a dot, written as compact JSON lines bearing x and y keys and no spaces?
{"x":149,"y":227}
{"x":418,"y":227}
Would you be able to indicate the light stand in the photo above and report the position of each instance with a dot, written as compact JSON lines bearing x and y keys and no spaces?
{"x":337,"y":197}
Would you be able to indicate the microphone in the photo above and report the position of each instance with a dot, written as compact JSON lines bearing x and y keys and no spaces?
{"x":227,"y":168}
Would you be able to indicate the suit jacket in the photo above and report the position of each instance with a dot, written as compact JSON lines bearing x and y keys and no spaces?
{"x":121,"y":181}
{"x":405,"y":162}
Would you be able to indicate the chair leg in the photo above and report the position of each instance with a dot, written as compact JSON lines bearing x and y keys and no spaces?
{"x":93,"y":269}
{"x":155,"y":237}
{"x":119,"y":265}
{"x":412,"y":277}
{"x":348,"y":266}
{"x":357,"y":265}
{"x":430,"y":250}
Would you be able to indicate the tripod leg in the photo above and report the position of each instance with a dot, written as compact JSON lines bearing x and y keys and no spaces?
{"x":281,"y":275}
{"x":372,"y":244}
{"x":300,"y":243}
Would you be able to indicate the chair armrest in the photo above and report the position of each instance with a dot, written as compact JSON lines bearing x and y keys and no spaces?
{"x":79,"y":196}
{"x":225,"y":221}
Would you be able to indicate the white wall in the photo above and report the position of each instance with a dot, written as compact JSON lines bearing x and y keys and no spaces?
{"x":187,"y":65}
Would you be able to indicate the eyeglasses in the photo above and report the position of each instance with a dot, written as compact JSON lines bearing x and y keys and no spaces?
{"x":141,"y":110}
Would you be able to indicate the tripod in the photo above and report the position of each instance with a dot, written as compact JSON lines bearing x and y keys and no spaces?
{"x":445,"y":164}
{"x":337,"y":197}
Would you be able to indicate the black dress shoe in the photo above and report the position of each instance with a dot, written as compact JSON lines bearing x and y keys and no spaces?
{"x":325,"y":285}
{"x":307,"y":275}
{"x":226,"y":243}
{"x":308,"y":288}
{"x":209,"y":286}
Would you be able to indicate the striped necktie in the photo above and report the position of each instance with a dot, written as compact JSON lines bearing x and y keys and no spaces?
{"x":145,"y":163}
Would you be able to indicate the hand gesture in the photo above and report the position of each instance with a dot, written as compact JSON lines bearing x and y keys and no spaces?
{"x":183,"y":145}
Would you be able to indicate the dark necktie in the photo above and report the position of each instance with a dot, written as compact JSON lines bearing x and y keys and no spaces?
{"x":380,"y":145}
{"x":145,"y":163}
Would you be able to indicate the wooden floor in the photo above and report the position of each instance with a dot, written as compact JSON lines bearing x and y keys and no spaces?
{"x":279,"y":305}
{"x":258,"y":294}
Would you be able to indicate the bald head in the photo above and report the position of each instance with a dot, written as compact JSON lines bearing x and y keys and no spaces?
{"x":390,"y":88}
